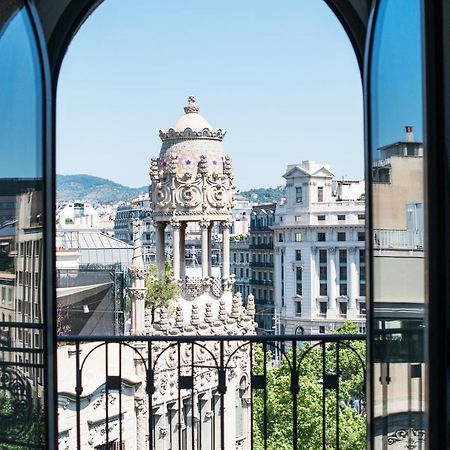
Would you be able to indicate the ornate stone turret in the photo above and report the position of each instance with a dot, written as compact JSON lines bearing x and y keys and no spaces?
{"x":192,"y":181}
{"x":137,"y":291}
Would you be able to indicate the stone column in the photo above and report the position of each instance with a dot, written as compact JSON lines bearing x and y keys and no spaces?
{"x":160,"y":246}
{"x":314,"y":280}
{"x":137,"y":290}
{"x":176,"y":247}
{"x":332,"y":283}
{"x":210,"y":249}
{"x":226,"y":249}
{"x":140,"y":399}
{"x":183,"y":251}
{"x":204,"y":225}
{"x":353,"y":288}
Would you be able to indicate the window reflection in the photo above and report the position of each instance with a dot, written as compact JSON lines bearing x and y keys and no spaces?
{"x":21,"y":233}
{"x":397,"y":207}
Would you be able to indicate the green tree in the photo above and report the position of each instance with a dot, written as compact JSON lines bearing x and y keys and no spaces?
{"x":352,"y":425}
{"x":161,"y":290}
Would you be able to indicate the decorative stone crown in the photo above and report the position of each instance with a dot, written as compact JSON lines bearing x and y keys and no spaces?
{"x":188,"y":132}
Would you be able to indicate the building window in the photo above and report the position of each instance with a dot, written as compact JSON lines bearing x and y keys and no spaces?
{"x":323,"y":306}
{"x":321,"y":218}
{"x":362,"y":273}
{"x":323,"y":277}
{"x":361,"y":217}
{"x":298,"y":255}
{"x":320,"y":194}
{"x":321,"y":329}
{"x":234,"y":257}
{"x":341,"y":236}
{"x":341,"y":217}
{"x":298,"y":237}
{"x":298,"y":309}
{"x":280,"y":237}
{"x":362,"y":308}
{"x":298,"y":218}
{"x":343,"y":308}
{"x":361,"y":236}
{"x":299,"y":280}
{"x":321,"y":237}
{"x":342,"y":272}
{"x":298,"y":195}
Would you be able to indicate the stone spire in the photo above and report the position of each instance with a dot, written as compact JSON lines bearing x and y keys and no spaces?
{"x":138,"y":290}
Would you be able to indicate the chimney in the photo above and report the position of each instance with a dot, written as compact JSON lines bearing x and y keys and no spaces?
{"x":409,"y":133}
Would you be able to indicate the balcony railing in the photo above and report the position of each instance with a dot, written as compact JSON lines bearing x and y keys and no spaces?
{"x":261,"y":246}
{"x":261,"y":282}
{"x":261,"y":264}
{"x":215,"y":392}
{"x":397,"y":240}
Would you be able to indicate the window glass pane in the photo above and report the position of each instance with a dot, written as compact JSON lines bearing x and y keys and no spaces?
{"x":21,"y":231}
{"x":397,"y":209}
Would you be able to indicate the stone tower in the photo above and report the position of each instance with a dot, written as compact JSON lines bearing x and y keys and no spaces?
{"x":192,"y":181}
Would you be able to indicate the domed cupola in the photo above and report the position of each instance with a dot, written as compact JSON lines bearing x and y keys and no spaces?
{"x":192,"y":175}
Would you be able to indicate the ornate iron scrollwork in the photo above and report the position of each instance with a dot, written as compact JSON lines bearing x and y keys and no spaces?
{"x":16,"y":415}
{"x":410,"y":437}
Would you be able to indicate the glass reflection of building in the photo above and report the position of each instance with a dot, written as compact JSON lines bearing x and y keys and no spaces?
{"x":21,"y":233}
{"x":397,"y":198}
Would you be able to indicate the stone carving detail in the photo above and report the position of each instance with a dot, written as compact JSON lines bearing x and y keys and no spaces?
{"x":137,"y":272}
{"x":101,"y":401}
{"x":208,"y":312}
{"x":139,"y":404}
{"x":227,"y":166}
{"x":410,"y":437}
{"x":251,"y":306}
{"x":194,"y":315}
{"x":216,"y":288}
{"x":154,"y":170}
{"x":137,"y":294}
{"x":192,"y":106}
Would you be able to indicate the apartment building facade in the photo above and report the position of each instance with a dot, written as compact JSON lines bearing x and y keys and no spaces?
{"x":319,"y":252}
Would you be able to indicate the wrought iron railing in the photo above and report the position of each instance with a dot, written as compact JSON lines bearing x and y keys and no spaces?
{"x":215,"y":392}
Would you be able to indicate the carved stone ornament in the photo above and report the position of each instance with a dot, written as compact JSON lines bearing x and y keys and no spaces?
{"x":227,"y":224}
{"x":175,"y":223}
{"x":137,"y":272}
{"x":352,"y":250}
{"x":139,"y":404}
{"x":332,"y":250}
{"x":137,"y":294}
{"x":408,"y":436}
{"x":204,"y":223}
{"x":313,"y":250}
{"x":101,"y":401}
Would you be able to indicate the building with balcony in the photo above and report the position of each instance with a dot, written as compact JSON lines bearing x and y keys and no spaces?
{"x":262,"y":272}
{"x":240,"y":264}
{"x":319,"y":252}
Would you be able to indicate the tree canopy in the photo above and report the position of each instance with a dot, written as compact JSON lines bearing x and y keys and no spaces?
{"x":352,"y":423}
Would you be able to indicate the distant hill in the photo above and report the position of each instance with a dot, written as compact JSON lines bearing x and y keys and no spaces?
{"x":88,"y":188}
{"x":92,"y":189}
{"x":264,"y":195}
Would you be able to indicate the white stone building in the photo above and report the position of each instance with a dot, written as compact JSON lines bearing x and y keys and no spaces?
{"x":319,"y":253}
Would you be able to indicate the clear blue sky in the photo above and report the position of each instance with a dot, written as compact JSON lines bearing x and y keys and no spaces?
{"x":280,"y":77}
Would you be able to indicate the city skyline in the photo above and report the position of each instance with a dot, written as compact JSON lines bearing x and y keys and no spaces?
{"x":140,"y":84}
